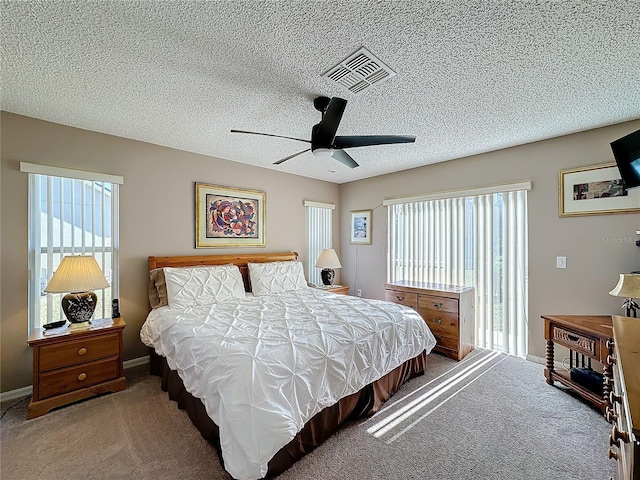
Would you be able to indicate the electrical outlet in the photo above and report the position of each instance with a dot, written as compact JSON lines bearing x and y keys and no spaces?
{"x":561,"y":262}
{"x":359,"y":292}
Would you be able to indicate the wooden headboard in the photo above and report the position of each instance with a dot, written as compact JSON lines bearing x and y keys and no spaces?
{"x":240,"y":260}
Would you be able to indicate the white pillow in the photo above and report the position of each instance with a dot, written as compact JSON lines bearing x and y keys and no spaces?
{"x":197,"y":286}
{"x":276,"y":277}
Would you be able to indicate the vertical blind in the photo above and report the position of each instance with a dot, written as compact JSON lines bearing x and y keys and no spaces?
{"x":319,"y":234}
{"x":474,"y":240}
{"x":70,"y":216}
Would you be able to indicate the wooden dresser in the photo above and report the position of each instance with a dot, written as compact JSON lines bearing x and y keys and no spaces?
{"x":449,"y":311}
{"x":623,"y":410}
{"x":75,"y":366}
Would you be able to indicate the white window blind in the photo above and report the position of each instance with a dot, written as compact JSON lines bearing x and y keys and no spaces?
{"x":319,"y":218}
{"x":478,"y":241}
{"x":70,"y":216}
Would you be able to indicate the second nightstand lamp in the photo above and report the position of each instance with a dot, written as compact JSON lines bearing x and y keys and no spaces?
{"x":76,"y":276}
{"x":628,"y":287}
{"x":327,"y":261}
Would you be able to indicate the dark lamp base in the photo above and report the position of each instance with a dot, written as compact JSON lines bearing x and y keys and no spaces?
{"x":79,"y":307}
{"x":327,"y":275}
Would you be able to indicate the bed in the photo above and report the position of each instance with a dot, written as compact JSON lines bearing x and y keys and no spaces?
{"x":266,"y":367}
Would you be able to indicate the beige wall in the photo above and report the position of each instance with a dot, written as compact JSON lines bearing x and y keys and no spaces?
{"x":597,"y":248}
{"x":156,"y":216}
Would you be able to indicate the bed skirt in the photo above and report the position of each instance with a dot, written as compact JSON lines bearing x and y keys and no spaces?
{"x":360,"y":404}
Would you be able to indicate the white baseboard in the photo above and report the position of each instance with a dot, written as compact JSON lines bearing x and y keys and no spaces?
{"x":17,"y":393}
{"x":135,"y":362}
{"x":24,"y":391}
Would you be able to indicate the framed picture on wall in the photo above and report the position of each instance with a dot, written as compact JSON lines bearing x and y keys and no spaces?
{"x":229,"y":217}
{"x":361,"y":227}
{"x":595,"y":190}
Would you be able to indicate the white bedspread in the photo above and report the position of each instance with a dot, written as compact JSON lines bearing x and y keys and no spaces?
{"x":263,"y":366}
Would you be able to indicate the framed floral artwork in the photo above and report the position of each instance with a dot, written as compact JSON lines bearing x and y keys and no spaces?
{"x":229,"y":217}
{"x":361,"y":227}
{"x":595,"y":190}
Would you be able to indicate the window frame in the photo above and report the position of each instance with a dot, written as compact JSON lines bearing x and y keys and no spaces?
{"x":36,"y":249}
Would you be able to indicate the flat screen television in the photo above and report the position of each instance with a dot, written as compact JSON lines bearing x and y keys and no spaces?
{"x":626,"y":151}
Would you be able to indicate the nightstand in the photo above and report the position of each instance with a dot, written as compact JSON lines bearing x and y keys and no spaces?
{"x":76,"y":365}
{"x":339,"y":289}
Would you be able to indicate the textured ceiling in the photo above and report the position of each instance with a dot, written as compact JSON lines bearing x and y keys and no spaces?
{"x":471,"y":76}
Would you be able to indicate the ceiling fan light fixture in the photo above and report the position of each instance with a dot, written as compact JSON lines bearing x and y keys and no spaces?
{"x":322,"y":152}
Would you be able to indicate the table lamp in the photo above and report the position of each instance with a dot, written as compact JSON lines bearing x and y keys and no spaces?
{"x":328,"y":260}
{"x":76,"y":276}
{"x":628,"y":287}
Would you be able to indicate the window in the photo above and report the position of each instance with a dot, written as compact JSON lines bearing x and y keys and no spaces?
{"x":475,"y":238}
{"x":70,"y":212}
{"x":319,"y":235}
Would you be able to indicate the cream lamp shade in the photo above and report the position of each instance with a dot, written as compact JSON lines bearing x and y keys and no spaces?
{"x":328,"y":260}
{"x":628,"y":287}
{"x":77,"y":275}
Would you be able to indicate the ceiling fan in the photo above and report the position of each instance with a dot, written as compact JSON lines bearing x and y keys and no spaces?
{"x":324,"y":141}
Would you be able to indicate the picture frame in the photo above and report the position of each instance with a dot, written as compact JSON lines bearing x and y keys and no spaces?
{"x":360,"y":227}
{"x":229,"y":217}
{"x":595,"y":190}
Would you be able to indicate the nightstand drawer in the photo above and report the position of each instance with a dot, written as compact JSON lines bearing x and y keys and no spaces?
{"x":403,"y":298}
{"x":576,"y":341}
{"x":74,"y":378}
{"x":78,"y":351}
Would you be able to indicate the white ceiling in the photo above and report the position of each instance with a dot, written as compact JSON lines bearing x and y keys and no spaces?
{"x":471,"y":76}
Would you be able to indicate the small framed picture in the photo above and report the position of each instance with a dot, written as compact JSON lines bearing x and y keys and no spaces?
{"x":229,"y":217}
{"x":595,"y":190}
{"x":361,"y":227}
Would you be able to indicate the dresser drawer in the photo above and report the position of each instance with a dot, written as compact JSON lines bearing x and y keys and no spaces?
{"x":78,"y":351}
{"x":74,"y":378}
{"x":446,"y":342}
{"x":441,"y":324}
{"x":438,"y":305}
{"x":403,"y":298}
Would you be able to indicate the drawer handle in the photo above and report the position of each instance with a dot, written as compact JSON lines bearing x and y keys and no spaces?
{"x":437,"y":305}
{"x":613,"y":398}
{"x":437,"y":320}
{"x":400,"y":299}
{"x":617,"y":435}
{"x":612,"y":455}
{"x":82,"y":351}
{"x":573,"y":338}
{"x":82,"y":376}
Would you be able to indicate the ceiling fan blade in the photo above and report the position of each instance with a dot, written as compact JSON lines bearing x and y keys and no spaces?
{"x":345,"y":158}
{"x":290,"y":156}
{"x":322,"y":134}
{"x":350,"y":141}
{"x":270,"y":135}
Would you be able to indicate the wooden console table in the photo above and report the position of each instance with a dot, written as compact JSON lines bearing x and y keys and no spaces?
{"x":585,"y":334}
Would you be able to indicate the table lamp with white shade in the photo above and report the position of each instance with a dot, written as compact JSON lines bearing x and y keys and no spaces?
{"x":628,"y":287}
{"x":76,"y":276}
{"x":328,"y":260}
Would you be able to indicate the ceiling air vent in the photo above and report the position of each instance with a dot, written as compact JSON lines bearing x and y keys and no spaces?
{"x":359,"y":71}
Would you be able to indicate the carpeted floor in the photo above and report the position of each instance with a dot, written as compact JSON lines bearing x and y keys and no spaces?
{"x":489,"y":417}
